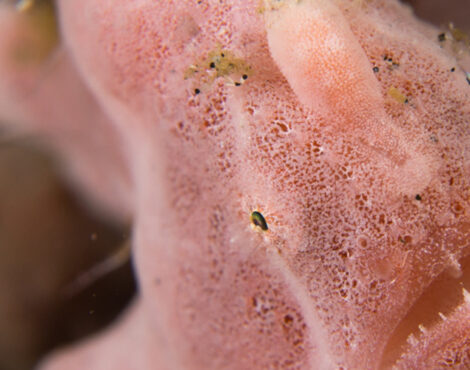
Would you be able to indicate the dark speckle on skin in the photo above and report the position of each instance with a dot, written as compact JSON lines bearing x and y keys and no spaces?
{"x":258,"y":220}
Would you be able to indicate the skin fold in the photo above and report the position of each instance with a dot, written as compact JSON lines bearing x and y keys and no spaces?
{"x":344,"y":124}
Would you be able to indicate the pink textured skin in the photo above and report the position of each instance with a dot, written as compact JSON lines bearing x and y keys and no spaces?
{"x":312,"y":140}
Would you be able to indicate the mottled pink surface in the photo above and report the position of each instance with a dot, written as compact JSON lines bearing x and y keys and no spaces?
{"x":362,"y":176}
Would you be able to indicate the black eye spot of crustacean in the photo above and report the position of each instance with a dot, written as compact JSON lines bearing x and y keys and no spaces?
{"x":258,"y":220}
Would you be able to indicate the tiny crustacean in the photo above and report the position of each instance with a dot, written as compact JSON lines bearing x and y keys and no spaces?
{"x":258,"y":220}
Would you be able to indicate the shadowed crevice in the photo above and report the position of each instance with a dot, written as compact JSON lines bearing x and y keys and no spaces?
{"x":442,"y":296}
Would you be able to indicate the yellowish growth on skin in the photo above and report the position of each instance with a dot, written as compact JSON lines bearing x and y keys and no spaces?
{"x":270,"y":5}
{"x":39,"y":34}
{"x":397,"y":95}
{"x":261,"y":8}
{"x":219,"y":63}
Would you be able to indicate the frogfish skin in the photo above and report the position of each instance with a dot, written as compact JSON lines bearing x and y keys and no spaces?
{"x":297,"y":173}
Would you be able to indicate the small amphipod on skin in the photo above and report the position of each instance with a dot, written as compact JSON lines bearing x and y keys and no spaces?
{"x":258,"y":220}
{"x":314,"y":48}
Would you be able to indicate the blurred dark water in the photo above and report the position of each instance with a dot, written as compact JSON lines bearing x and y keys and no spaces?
{"x":441,"y":12}
{"x":48,"y":237}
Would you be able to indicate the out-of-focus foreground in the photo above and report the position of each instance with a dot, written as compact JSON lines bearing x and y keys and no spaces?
{"x":48,"y":238}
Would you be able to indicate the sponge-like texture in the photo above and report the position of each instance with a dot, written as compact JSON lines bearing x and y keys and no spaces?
{"x":345,"y":124}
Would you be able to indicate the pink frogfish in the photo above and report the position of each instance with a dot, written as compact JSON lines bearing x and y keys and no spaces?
{"x":297,"y":173}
